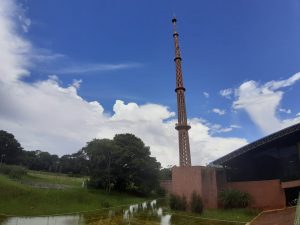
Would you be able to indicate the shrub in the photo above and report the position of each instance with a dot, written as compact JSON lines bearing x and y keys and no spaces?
{"x":105,"y":204}
{"x":14,"y":172}
{"x":161,"y":192}
{"x":177,"y":202}
{"x":196,"y":203}
{"x":231,"y":198}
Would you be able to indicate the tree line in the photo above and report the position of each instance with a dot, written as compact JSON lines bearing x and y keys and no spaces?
{"x":123,"y":163}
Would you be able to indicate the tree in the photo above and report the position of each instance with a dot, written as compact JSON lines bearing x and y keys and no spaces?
{"x":165,"y":174}
{"x":10,"y":148}
{"x":123,"y":164}
{"x":39,"y":160}
{"x":103,"y":159}
{"x":140,"y":170}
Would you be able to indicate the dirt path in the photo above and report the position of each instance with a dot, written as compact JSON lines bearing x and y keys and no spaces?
{"x":279,"y":217}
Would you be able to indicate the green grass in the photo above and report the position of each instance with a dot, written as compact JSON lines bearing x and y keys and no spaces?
{"x":54,"y":178}
{"x":20,"y":199}
{"x":231,"y":214}
{"x":242,"y":215}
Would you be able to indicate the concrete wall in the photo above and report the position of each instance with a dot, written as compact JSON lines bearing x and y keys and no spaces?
{"x":209,"y":188}
{"x":186,"y":180}
{"x":208,"y":182}
{"x":166,"y":185}
{"x":267,"y":194}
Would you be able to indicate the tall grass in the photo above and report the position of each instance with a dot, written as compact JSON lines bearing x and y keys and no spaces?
{"x":14,"y":172}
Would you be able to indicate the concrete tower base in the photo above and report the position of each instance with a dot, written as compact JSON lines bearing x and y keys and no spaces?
{"x":203,"y":180}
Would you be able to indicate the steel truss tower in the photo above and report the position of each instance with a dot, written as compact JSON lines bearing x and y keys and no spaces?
{"x":182,"y":125}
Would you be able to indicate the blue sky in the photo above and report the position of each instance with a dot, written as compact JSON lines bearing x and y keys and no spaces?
{"x":123,"y":50}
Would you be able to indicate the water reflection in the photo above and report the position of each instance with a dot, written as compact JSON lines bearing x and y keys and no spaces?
{"x":58,"y":220}
{"x":146,"y":213}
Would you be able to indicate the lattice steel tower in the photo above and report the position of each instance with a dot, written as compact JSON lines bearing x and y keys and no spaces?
{"x":182,"y":125}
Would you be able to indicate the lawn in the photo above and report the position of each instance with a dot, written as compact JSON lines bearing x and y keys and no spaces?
{"x":238,"y":215}
{"x":22,"y":199}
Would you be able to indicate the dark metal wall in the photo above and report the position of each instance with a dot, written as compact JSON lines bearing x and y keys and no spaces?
{"x":279,"y":160}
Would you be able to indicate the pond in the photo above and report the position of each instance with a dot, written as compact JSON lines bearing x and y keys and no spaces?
{"x":146,"y":213}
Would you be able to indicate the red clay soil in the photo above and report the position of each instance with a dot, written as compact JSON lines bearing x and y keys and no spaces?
{"x":279,"y":217}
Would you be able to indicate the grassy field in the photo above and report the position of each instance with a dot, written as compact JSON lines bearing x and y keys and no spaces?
{"x":25,"y":197}
{"x":18,"y":198}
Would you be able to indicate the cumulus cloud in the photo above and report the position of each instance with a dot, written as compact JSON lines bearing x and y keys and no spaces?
{"x":226,"y":93}
{"x":287,"y":111}
{"x":45,"y":115}
{"x":221,"y":112}
{"x":217,"y":128}
{"x":206,"y":94}
{"x":261,"y":102}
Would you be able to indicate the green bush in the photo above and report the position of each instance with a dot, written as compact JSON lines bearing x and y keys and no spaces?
{"x":196,"y":203}
{"x":231,"y":198}
{"x":178,"y":203}
{"x":161,"y":192}
{"x":14,"y":172}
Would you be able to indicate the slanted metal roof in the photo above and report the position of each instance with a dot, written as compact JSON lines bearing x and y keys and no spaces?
{"x":268,"y":139}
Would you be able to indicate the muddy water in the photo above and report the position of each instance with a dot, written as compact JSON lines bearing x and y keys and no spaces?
{"x":147,"y":213}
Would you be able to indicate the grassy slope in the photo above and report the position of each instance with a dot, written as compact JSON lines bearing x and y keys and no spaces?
{"x":20,"y":199}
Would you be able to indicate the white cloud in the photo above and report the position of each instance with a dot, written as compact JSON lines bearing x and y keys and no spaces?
{"x":95,"y":67}
{"x":44,"y":115}
{"x":287,"y":111}
{"x":235,"y":126}
{"x":13,"y":48}
{"x":261,"y":102}
{"x":221,"y":112}
{"x":206,"y":94}
{"x":76,"y":83}
{"x":226,"y":93}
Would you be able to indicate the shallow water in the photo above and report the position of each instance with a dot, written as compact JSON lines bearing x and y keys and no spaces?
{"x":147,"y":213}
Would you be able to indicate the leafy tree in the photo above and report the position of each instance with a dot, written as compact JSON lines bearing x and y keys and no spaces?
{"x":123,"y":164}
{"x":165,"y":174}
{"x":39,"y":160}
{"x":140,"y":171}
{"x":103,"y":159}
{"x":10,"y":148}
{"x":75,"y":164}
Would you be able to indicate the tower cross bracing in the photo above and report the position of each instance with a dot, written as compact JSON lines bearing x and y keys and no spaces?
{"x":182,"y":126}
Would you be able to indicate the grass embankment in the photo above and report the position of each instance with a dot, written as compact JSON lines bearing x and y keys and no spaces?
{"x":23,"y":198}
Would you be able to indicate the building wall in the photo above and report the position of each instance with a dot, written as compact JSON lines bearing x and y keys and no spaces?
{"x":166,"y":185}
{"x":209,"y":187}
{"x":186,"y":180}
{"x":267,"y":194}
{"x":208,"y":182}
